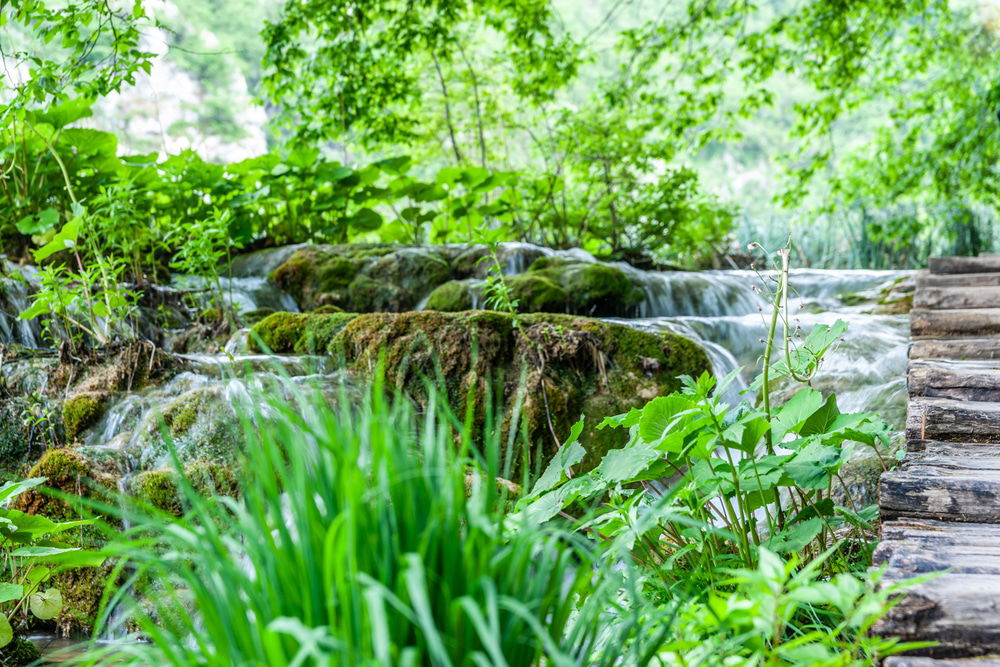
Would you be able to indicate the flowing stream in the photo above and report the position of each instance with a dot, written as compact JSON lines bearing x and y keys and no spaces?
{"x":727,"y":312}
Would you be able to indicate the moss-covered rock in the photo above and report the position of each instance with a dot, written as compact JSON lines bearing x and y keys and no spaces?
{"x":200,"y":423}
{"x":452,"y":297}
{"x":28,"y":426}
{"x":299,"y":333}
{"x":81,"y":411}
{"x":571,"y":365}
{"x":393,"y":278}
{"x":363,"y":278}
{"x":536,"y":293}
{"x":593,"y":289}
{"x":19,"y":652}
{"x":81,"y":589}
{"x":159,"y":488}
{"x":68,"y":471}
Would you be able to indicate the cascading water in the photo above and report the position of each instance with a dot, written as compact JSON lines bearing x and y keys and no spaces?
{"x":727,"y":312}
{"x":15,"y":288}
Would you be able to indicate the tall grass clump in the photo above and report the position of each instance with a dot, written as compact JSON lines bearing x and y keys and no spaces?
{"x":365,"y":534}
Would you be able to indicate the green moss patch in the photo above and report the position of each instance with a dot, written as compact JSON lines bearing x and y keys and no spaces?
{"x":451,"y":297}
{"x":363,"y":278}
{"x":570,"y":365}
{"x":81,"y":411}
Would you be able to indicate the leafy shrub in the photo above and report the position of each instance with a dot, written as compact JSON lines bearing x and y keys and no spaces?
{"x":29,"y":558}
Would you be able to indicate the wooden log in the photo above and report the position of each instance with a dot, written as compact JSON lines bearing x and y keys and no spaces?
{"x":943,"y":533}
{"x":951,"y":298}
{"x":980,"y":264}
{"x":958,"y":323}
{"x":925,"y":279}
{"x":957,"y":610}
{"x":957,"y":348}
{"x":921,"y":661}
{"x":952,"y":420}
{"x":917,"y":547}
{"x":973,"y":381}
{"x":917,"y":448}
{"x":946,"y":488}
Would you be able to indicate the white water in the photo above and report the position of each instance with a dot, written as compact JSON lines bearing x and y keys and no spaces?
{"x":725,"y":311}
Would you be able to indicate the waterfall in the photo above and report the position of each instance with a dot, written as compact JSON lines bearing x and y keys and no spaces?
{"x":16,"y":284}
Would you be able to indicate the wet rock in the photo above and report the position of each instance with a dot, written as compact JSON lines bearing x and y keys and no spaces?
{"x":363,"y":278}
{"x":570,"y":365}
{"x":81,"y":411}
{"x":159,"y":488}
{"x":452,"y":297}
{"x":19,"y":652}
{"x":389,"y":278}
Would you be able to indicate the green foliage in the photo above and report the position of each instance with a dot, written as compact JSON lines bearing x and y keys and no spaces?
{"x":406,"y":540}
{"x":782,"y":613}
{"x":359,"y":70}
{"x":29,"y":558}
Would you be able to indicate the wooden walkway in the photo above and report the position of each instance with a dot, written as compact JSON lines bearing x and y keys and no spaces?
{"x":941,"y":507}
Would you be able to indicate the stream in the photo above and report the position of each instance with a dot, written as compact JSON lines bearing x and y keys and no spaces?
{"x":724,"y":311}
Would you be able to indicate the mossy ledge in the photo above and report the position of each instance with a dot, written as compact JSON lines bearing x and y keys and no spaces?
{"x":395,"y":278}
{"x":81,"y":411}
{"x":570,"y":365}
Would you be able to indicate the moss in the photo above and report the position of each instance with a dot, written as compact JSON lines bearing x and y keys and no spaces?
{"x":367,"y":295}
{"x":67,"y":471}
{"x":599,"y":290}
{"x":82,"y":411}
{"x":82,"y":589}
{"x":452,"y":297}
{"x":547,"y":263}
{"x":299,"y":333}
{"x":159,"y":488}
{"x":571,"y":365}
{"x":362,"y":278}
{"x":251,"y":317}
{"x":538,"y":294}
{"x":181,"y":415}
{"x":327,"y":309}
{"x":19,"y":652}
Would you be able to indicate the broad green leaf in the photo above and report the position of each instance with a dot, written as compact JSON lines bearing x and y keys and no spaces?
{"x":10,"y":592}
{"x":790,"y":416}
{"x":626,"y":420}
{"x":66,"y":238}
{"x":571,"y":453}
{"x":40,"y":552}
{"x":622,"y":465}
{"x":823,"y":419}
{"x":6,"y":632}
{"x":661,"y":415}
{"x":795,"y":538}
{"x":45,"y":221}
{"x":813,"y":465}
{"x":46,"y":604}
{"x":12,"y":490}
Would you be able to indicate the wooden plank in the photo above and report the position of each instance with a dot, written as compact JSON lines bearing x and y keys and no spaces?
{"x":921,"y":661}
{"x":917,"y":547}
{"x":951,"y":298}
{"x":952,"y":420}
{"x":925,"y":279}
{"x":957,"y":610}
{"x":944,"y":533}
{"x":947,"y":488}
{"x":917,"y":448}
{"x":958,"y":323}
{"x":973,"y":381}
{"x":980,"y":264}
{"x":956,"y":348}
